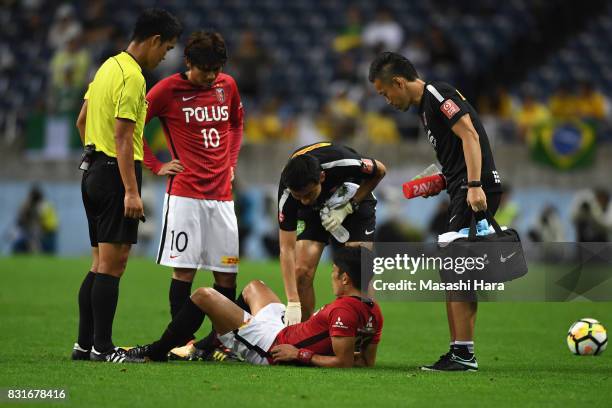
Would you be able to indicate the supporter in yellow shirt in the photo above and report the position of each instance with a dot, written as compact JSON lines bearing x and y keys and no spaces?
{"x":530,"y":114}
{"x":562,"y":103}
{"x":590,"y":103}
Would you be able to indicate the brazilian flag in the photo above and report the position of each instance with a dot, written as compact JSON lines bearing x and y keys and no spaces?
{"x":565,"y":145}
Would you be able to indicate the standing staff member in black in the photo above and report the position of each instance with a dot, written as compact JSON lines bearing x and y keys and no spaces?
{"x":462,"y":148}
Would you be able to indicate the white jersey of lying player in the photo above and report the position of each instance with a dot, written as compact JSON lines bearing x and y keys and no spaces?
{"x":203,"y":129}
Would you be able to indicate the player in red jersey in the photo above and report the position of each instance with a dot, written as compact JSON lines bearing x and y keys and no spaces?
{"x":344,"y":333}
{"x":201,"y":115}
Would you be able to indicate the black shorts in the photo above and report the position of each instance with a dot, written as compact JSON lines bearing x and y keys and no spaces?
{"x":460,"y":214}
{"x":103,"y":194}
{"x":360,"y":225}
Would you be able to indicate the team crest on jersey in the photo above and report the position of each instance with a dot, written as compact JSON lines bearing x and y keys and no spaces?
{"x":449,"y":108}
{"x":220,"y":95}
{"x":367,"y":166}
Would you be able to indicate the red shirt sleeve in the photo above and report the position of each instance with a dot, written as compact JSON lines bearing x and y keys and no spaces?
{"x":343,"y":322}
{"x":150,"y":161}
{"x":157,"y":101}
{"x":156,"y":107}
{"x":236,"y":119}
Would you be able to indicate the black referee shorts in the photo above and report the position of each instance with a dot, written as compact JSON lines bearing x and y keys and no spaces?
{"x":360,"y":225}
{"x":460,"y":214}
{"x":103,"y":194}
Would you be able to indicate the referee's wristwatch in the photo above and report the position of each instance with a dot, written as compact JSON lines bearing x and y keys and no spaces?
{"x":474,"y":183}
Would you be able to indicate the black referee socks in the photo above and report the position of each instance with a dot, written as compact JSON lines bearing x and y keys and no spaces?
{"x":179,"y":293}
{"x":104,"y":295}
{"x":86,"y":325}
{"x":179,"y":331}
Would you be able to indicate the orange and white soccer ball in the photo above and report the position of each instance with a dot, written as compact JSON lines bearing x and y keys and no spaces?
{"x":587,"y":337}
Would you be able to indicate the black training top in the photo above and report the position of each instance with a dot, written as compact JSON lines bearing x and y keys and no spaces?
{"x":340,"y":163}
{"x":441,"y":107}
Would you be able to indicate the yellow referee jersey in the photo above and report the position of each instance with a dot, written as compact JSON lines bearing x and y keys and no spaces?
{"x":117,"y":91}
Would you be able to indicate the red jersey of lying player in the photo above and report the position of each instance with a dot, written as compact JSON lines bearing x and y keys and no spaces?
{"x":203,"y":129}
{"x":347,"y":316}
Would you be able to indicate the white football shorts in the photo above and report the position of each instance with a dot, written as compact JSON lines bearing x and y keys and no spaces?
{"x":255,"y":337}
{"x":199,"y":234}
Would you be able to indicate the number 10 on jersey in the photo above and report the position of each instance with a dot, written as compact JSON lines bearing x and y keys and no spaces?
{"x":211,"y":137}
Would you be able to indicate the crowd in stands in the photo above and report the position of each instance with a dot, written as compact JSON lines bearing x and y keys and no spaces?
{"x":78,"y":37}
{"x":515,"y":117}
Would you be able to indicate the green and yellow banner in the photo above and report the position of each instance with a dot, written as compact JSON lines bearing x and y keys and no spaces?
{"x":56,"y":136}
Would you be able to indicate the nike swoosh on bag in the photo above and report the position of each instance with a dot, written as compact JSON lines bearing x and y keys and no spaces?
{"x":502,"y":259}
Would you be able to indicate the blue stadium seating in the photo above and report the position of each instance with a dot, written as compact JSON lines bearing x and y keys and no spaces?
{"x":299,"y":33}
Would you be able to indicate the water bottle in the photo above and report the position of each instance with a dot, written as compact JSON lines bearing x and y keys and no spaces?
{"x":339,"y":233}
{"x":429,"y":171}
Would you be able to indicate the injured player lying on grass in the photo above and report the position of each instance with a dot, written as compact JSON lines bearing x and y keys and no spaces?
{"x":344,"y":333}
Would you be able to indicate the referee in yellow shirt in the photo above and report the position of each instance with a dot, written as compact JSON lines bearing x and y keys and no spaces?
{"x":111,"y":121}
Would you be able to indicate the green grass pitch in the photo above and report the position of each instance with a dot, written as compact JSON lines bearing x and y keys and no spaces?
{"x":520,"y":347}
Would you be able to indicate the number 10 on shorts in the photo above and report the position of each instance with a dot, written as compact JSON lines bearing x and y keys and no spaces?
{"x":178,"y":241}
{"x":209,"y":137}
